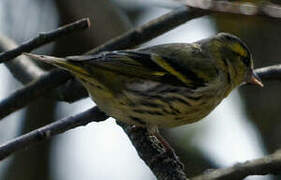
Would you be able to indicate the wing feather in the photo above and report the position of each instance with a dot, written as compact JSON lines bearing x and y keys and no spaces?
{"x":189,"y":68}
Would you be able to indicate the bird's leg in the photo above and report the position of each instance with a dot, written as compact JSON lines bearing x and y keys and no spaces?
{"x":168,"y":150}
{"x":157,"y":140}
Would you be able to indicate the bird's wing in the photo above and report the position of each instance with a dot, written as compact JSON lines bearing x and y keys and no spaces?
{"x":158,"y":64}
{"x":128,"y":63}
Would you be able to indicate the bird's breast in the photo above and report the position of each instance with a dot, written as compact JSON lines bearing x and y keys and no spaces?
{"x":149,"y":103}
{"x":154,"y":103}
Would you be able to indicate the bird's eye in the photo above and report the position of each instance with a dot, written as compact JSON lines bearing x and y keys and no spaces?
{"x":246,"y":60}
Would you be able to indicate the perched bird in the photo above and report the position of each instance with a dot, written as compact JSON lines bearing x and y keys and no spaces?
{"x":166,"y":85}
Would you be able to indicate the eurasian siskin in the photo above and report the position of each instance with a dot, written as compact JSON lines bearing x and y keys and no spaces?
{"x":166,"y":85}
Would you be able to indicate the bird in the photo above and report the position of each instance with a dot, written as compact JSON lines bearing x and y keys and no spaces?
{"x":162,"y":86}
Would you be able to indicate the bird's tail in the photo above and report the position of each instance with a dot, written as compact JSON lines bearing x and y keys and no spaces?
{"x":62,"y":63}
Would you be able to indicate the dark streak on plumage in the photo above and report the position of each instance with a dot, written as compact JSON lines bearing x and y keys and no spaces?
{"x":141,"y":111}
{"x":171,"y":99}
{"x":188,"y":73}
{"x":150,"y":104}
{"x":145,"y":59}
{"x":166,"y":100}
{"x":169,"y":90}
{"x":194,"y":98}
{"x":174,"y":109}
{"x":169,"y":112}
{"x":138,"y":120}
{"x":92,"y":84}
{"x":142,"y":58}
{"x":178,"y":118}
{"x":225,"y":62}
{"x":234,"y":39}
{"x":228,"y":78}
{"x":97,"y":86}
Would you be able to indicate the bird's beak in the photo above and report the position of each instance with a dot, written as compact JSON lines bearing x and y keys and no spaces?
{"x":253,"y":78}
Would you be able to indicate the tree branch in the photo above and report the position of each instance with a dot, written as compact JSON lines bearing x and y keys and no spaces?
{"x":162,"y":165}
{"x":266,"y":9}
{"x":150,"y":30}
{"x":24,"y":141}
{"x":22,"y":68}
{"x":44,"y":38}
{"x":30,"y":92}
{"x":270,"y":72}
{"x":270,"y":164}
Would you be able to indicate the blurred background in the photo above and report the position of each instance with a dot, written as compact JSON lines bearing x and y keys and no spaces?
{"x":244,"y":126}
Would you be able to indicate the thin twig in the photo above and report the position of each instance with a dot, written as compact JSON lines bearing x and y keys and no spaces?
{"x":44,"y":38}
{"x":55,"y":78}
{"x":270,"y":164}
{"x":266,"y":9}
{"x":150,"y":30}
{"x":22,"y":68}
{"x":30,"y":92}
{"x":270,"y":72}
{"x":19,"y":143}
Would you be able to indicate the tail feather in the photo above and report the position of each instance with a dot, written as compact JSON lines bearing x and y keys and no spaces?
{"x":62,"y":63}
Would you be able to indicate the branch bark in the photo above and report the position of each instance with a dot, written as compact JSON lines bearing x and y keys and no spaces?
{"x":163,"y":166}
{"x":22,"y":68}
{"x":44,"y":38}
{"x":266,"y":9}
{"x":30,"y":92}
{"x":270,"y":164}
{"x":150,"y":30}
{"x":270,"y":72}
{"x":21,"y":142}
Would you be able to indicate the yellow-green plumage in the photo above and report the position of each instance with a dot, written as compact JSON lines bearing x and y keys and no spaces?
{"x":166,"y":85}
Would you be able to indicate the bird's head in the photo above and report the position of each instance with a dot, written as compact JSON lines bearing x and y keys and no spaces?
{"x":234,"y":57}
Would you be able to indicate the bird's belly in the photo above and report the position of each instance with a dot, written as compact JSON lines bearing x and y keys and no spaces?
{"x":165,"y":114}
{"x":154,"y":104}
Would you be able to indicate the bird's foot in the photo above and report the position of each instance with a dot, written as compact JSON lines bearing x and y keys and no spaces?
{"x":165,"y":150}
